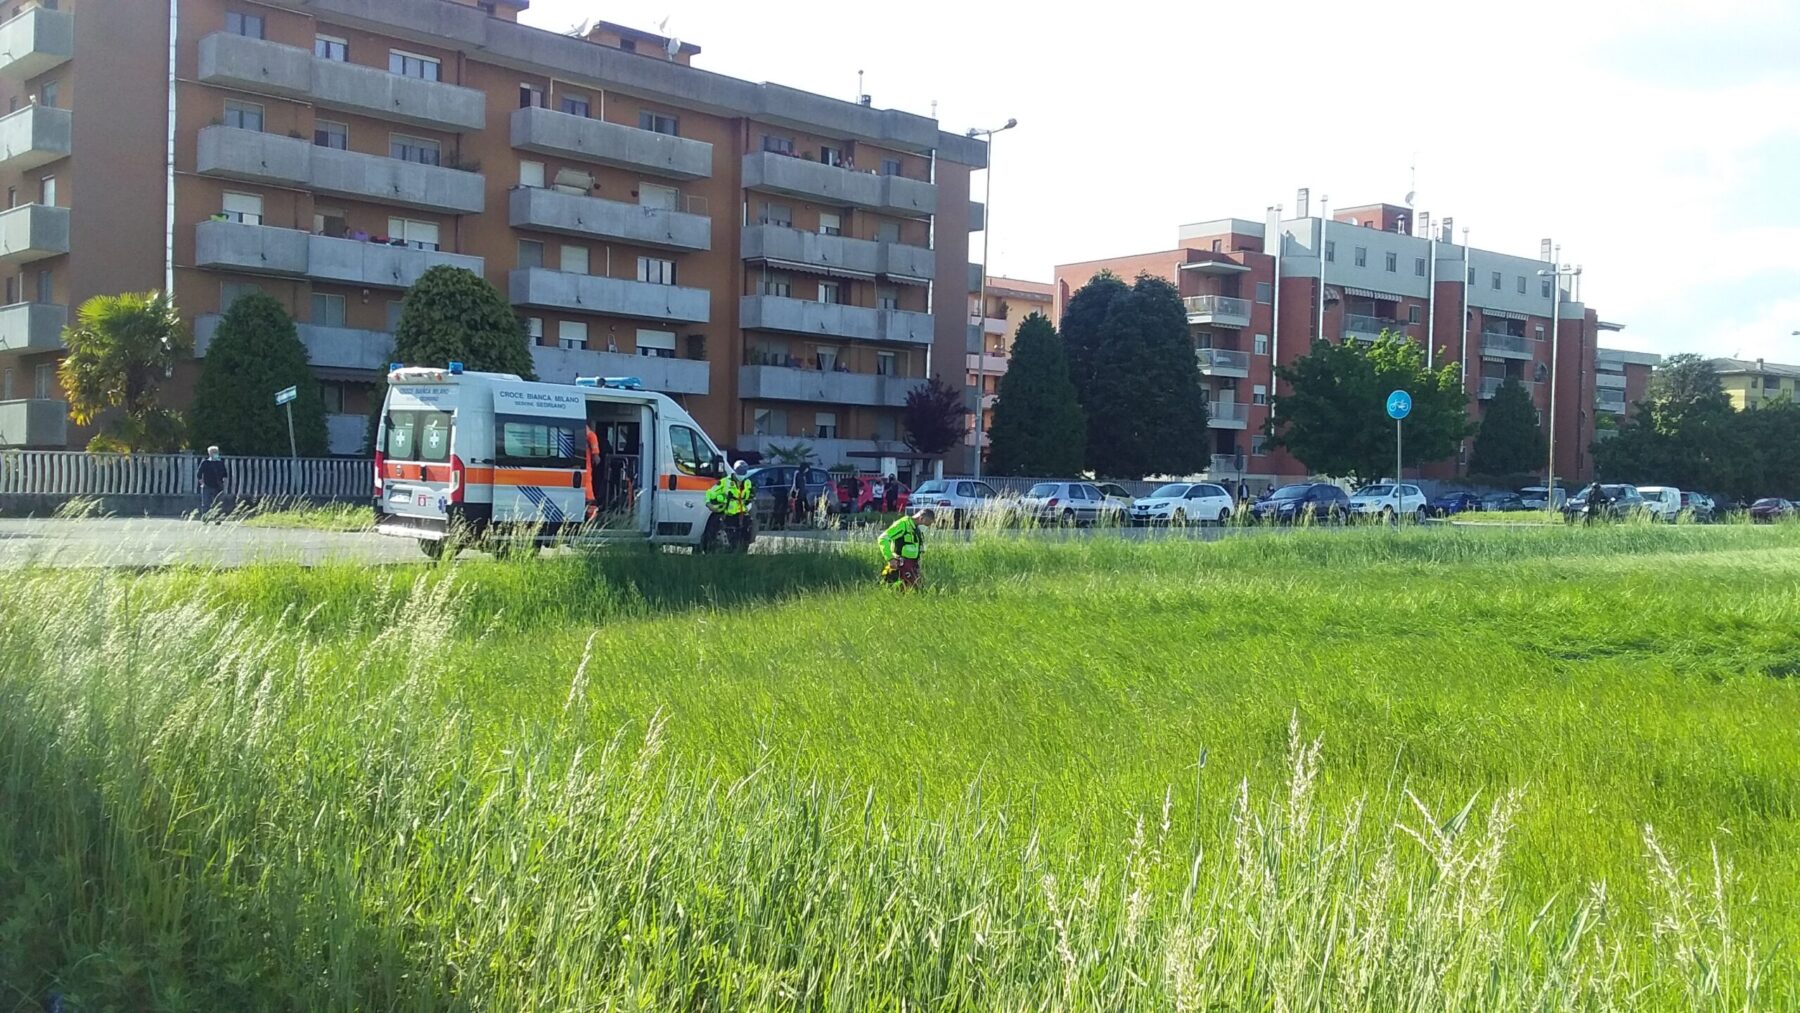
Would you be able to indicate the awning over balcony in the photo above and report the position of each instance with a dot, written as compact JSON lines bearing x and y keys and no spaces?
{"x":1371,"y":294}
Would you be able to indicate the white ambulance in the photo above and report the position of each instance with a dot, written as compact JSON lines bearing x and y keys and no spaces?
{"x":463,"y":456}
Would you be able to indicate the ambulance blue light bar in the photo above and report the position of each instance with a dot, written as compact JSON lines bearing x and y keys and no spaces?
{"x":456,"y":368}
{"x":615,"y":382}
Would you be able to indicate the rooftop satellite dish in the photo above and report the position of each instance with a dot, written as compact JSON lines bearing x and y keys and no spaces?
{"x":672,"y":47}
{"x":580,"y":31}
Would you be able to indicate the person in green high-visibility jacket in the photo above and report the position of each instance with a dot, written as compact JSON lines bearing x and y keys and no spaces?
{"x":901,"y":546}
{"x":730,"y":499}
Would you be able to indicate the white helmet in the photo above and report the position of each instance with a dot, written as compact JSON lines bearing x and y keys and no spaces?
{"x":738,"y":468}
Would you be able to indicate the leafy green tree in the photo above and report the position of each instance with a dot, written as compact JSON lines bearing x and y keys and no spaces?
{"x":1509,"y":440}
{"x":121,"y":347}
{"x":454,"y":315}
{"x":1081,"y":320}
{"x":1772,"y":433}
{"x":1038,"y":425}
{"x":934,"y":416}
{"x":1333,"y":416}
{"x":256,"y":352}
{"x":1685,"y":433}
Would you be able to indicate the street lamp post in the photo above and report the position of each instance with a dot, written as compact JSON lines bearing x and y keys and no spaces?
{"x":1558,"y":273}
{"x":987,"y":229}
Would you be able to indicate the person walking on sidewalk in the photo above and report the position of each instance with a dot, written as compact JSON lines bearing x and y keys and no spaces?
{"x":213,"y":476}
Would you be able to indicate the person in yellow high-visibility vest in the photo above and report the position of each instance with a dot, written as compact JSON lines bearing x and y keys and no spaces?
{"x":901,"y":546}
{"x":730,"y":498}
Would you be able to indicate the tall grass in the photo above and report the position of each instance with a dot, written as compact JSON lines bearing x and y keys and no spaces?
{"x":1360,"y":770}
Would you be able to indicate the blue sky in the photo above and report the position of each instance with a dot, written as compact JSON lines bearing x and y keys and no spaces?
{"x":1657,"y":142}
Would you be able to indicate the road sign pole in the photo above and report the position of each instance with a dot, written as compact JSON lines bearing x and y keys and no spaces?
{"x":1397,"y":424}
{"x":293,"y":454}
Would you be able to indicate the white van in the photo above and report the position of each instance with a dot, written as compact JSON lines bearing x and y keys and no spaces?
{"x":461,"y":455}
{"x":1661,"y":502}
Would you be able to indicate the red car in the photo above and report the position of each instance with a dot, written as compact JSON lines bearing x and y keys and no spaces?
{"x":857,"y":494}
{"x":1773,"y":509}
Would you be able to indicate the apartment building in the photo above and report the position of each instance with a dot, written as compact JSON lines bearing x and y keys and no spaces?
{"x":1752,"y":383}
{"x":1621,"y":379}
{"x":991,"y":331}
{"x":773,"y":258}
{"x":1258,"y":293}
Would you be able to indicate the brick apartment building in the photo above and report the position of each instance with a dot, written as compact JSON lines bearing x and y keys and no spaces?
{"x":786,"y":263}
{"x":1253,"y":292}
{"x":991,"y":332}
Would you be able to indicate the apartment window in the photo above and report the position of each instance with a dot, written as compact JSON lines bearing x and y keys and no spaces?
{"x":530,"y":96}
{"x":531,"y":174}
{"x":890,"y":167}
{"x":1414,"y":314}
{"x":1471,"y":276}
{"x":327,"y":222}
{"x":242,"y":207}
{"x":769,"y":422}
{"x":248,"y":25}
{"x":656,"y":344}
{"x":327,"y":309}
{"x":6,"y":384}
{"x":1259,"y":394}
{"x":887,"y":232}
{"x":830,"y":155}
{"x":887,"y":299}
{"x":243,"y":115}
{"x":12,"y":290}
{"x":12,"y":196}
{"x":778,"y":285}
{"x":45,"y":386}
{"x":327,"y":47}
{"x":830,"y":224}
{"x":1265,"y":292}
{"x":825,"y":425}
{"x":887,"y":364}
{"x":1218,"y":246}
{"x":47,"y":94}
{"x":333,"y":396}
{"x":656,"y":271}
{"x":1330,"y":251}
{"x":1419,"y":266}
{"x":46,"y":286}
{"x":653,"y":195}
{"x":422,"y":150}
{"x":628,"y":45}
{"x":831,"y":292}
{"x":231,"y":291}
{"x":1540,"y":332}
{"x":331,"y":134}
{"x":574,"y":105}
{"x":574,"y":259}
{"x":1362,"y":256}
{"x":1521,"y":284}
{"x":1259,"y":446}
{"x":1496,"y":281}
{"x":658,"y":123}
{"x":531,"y":253}
{"x":1544,"y":288}
{"x":777,"y":144}
{"x":776,"y":214}
{"x":571,"y":334}
{"x":1393,"y":263}
{"x":534,"y":330}
{"x":425,"y":68}
{"x":416,"y":234}
{"x":1262,"y":344}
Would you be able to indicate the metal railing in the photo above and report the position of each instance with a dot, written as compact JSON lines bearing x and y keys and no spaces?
{"x":1217,"y":305}
{"x":1223,"y":358}
{"x":1228,"y":411}
{"x":73,"y":473}
{"x":1609,"y":400}
{"x":1361,"y":324}
{"x":1492,"y":341}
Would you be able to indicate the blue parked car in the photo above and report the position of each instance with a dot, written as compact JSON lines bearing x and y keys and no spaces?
{"x":1316,"y":501}
{"x":1445,"y":504}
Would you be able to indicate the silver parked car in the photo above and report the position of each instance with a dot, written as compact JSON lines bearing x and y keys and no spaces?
{"x":959,"y":501}
{"x":1063,"y":503}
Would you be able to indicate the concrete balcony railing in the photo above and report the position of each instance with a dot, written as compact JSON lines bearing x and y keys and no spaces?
{"x":1225,"y":464}
{"x":991,"y":325}
{"x":1227,"y":414}
{"x":32,"y":327}
{"x":783,"y":383}
{"x":270,"y":68}
{"x":857,"y":258}
{"x":977,"y":216}
{"x":587,"y":293}
{"x":1218,"y":310}
{"x":1223,"y":362}
{"x":1490,"y":386}
{"x":1609,"y":400}
{"x":576,"y":215}
{"x":830,"y":184}
{"x":36,"y":41}
{"x":1611,"y":381}
{"x":550,"y":132}
{"x":802,"y":316}
{"x":974,"y":279}
{"x":326,"y":347}
{"x":1506,"y":346}
{"x":993,"y":365}
{"x":235,"y":153}
{"x":32,"y":232}
{"x":32,"y":137}
{"x":265,"y":249}
{"x":670,"y":376}
{"x":1362,"y":327}
{"x":35,"y":422}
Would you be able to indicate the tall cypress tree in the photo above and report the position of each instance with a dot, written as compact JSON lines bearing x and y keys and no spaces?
{"x":453,"y":314}
{"x":1081,"y":321}
{"x":1510,"y":441}
{"x":1038,"y":425}
{"x":255,"y":352}
{"x":1146,"y":410}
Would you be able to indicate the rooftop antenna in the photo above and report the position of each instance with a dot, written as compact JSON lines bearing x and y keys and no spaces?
{"x":859,"y":86}
{"x":934,"y":109}
{"x":580,"y":31}
{"x":1412,"y":187}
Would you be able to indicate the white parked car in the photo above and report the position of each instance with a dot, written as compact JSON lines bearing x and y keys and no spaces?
{"x":1661,"y":502}
{"x":958,"y":501}
{"x":1115,"y":503}
{"x":1184,"y":503}
{"x":1388,"y":501}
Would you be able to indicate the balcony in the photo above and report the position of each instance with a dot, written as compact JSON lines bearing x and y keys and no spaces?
{"x":326,"y":347}
{"x":809,"y":251}
{"x":346,"y":434}
{"x":255,"y":249}
{"x":802,"y":316}
{"x":1360,"y":327}
{"x":974,"y":279}
{"x":1223,"y":362}
{"x":990,"y":325}
{"x":1218,"y":310}
{"x":993,"y":365}
{"x":32,"y":327}
{"x":977,"y":216}
{"x":576,"y":215}
{"x":619,"y":297}
{"x":1490,"y":386}
{"x":265,"y":249}
{"x":1227,"y":415}
{"x":827,"y":452}
{"x":235,"y":153}
{"x":253,"y":155}
{"x":1610,"y":381}
{"x":37,"y":422}
{"x":830,"y":184}
{"x":670,"y":376}
{"x":1225,"y":464}
{"x":35,"y":41}
{"x":269,"y":68}
{"x":32,"y":137}
{"x":783,"y":383}
{"x":550,"y":132}
{"x":1610,"y":401}
{"x":1506,"y":346}
{"x":32,"y":232}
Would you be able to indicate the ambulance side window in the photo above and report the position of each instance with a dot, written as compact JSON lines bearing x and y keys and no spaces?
{"x":538,"y":443}
{"x":689,"y":450}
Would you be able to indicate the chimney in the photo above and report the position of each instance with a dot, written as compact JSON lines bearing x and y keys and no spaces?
{"x":1425,"y":224}
{"x":1449,"y":229}
{"x":1546,"y":250}
{"x":1302,"y":201}
{"x":866,"y":100}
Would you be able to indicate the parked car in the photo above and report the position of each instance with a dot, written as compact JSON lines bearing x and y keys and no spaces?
{"x":856,"y":494}
{"x":1062,"y":503}
{"x":1445,"y":504}
{"x":771,"y":484}
{"x":1699,"y":506}
{"x":1318,"y":500}
{"x":961,"y":500}
{"x":1661,"y":502}
{"x":1184,"y":503}
{"x":1621,"y":501}
{"x":1534,"y":496}
{"x":1116,"y":507}
{"x":1502,"y":501}
{"x":1389,"y":501}
{"x":1773,"y":508}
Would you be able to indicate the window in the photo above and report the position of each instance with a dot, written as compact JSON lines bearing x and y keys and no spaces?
{"x":243,"y":115}
{"x":531,"y":253}
{"x":1362,"y":256}
{"x":534,"y":329}
{"x":656,"y":344}
{"x":1496,"y":281}
{"x":333,"y":396}
{"x":1419,"y":266}
{"x":628,"y":45}
{"x":574,"y":105}
{"x":779,"y":145}
{"x":44,"y":381}
{"x":1540,"y":332}
{"x":405,"y":64}
{"x":689,"y":449}
{"x":1262,"y":344}
{"x":327,"y":47}
{"x":532,"y":442}
{"x":6,"y":384}
{"x":1471,"y":276}
{"x":887,"y":364}
{"x":656,"y":270}
{"x":327,"y":309}
{"x":231,"y":291}
{"x":331,"y":134}
{"x":827,"y":359}
{"x":887,"y":299}
{"x":416,"y":234}
{"x":531,"y":174}
{"x":12,"y":290}
{"x":1521,"y":284}
{"x":1393,"y":263}
{"x":328,"y":222}
{"x":1265,"y":292}
{"x":1414,"y":314}
{"x":890,"y":167}
{"x":776,"y":214}
{"x":658,"y":123}
{"x":1259,"y":394}
{"x":571,"y":334}
{"x":778,"y":285}
{"x":831,"y":292}
{"x":1218,"y":246}
{"x":46,"y":286}
{"x":1331,"y":251}
{"x":243,"y":207}
{"x":1544,"y":288}
{"x":830,"y":155}
{"x":574,"y":259}
{"x":248,"y":25}
{"x":414,"y":149}
{"x":12,"y":196}
{"x":887,"y":232}
{"x":830,"y":224}
{"x":826,"y":426}
{"x":653,"y":195}
{"x":531,"y":96}
{"x":47,"y":93}
{"x":769,"y":422}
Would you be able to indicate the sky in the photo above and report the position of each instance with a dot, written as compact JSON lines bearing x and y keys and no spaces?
{"x":1657,"y":141}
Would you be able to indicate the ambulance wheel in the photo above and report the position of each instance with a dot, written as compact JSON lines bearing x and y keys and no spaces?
{"x":437,"y":548}
{"x":713,"y":538}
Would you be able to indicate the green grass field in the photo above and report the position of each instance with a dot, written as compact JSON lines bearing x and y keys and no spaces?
{"x":315,"y":517}
{"x":1437,"y":768}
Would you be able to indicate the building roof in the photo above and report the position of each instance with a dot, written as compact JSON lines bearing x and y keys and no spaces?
{"x":639,"y":35}
{"x":1018,"y":288}
{"x":1624,"y":357}
{"x":1730,"y":366}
